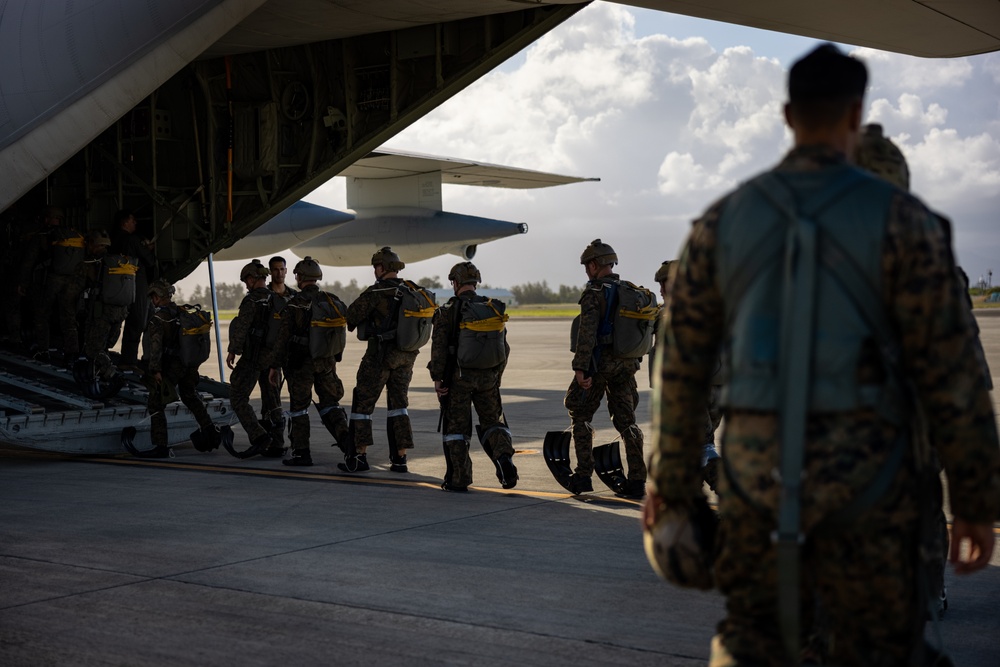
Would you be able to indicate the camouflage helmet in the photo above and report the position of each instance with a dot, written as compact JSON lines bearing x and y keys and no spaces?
{"x":877,"y":154}
{"x":465,"y":273}
{"x":254,"y":270}
{"x":388,"y":259}
{"x":161,"y":288}
{"x":308,"y":269}
{"x":100,"y":237}
{"x":600,"y":252}
{"x":663,"y":273}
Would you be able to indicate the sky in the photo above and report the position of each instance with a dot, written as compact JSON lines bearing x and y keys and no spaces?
{"x":671,"y":112}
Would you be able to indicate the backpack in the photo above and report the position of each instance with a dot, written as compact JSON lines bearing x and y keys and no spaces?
{"x":414,"y":311}
{"x":194,"y":345}
{"x":327,"y":327}
{"x":631,"y":318}
{"x":66,"y":250}
{"x":481,"y":333}
{"x":118,"y":280}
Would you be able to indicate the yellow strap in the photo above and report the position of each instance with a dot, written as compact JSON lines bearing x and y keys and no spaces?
{"x":200,"y":329}
{"x":73,"y":242}
{"x":422,"y":292}
{"x":125,"y":269}
{"x":489,"y":324}
{"x":423,"y":312}
{"x":647,"y":313}
{"x":329,"y":322}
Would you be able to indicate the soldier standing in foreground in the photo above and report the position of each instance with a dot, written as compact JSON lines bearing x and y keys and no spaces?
{"x":247,"y":333}
{"x":308,"y":364}
{"x":838,"y":487}
{"x":376,"y":311}
{"x":167,"y":370}
{"x":468,"y":354}
{"x":598,"y":372}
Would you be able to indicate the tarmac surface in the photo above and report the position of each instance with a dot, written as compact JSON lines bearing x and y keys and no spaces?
{"x":205,"y":560}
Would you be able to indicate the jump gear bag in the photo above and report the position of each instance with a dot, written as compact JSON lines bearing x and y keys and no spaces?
{"x":327,"y":327}
{"x":629,"y":320}
{"x":67,"y":251}
{"x":415,"y":309}
{"x":194,"y":327}
{"x":118,"y":280}
{"x":481,"y":333}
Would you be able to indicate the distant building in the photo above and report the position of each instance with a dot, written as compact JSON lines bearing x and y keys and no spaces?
{"x":444,"y":293}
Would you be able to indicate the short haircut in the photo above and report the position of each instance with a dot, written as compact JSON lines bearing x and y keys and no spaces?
{"x":276,"y":258}
{"x":823,"y":85}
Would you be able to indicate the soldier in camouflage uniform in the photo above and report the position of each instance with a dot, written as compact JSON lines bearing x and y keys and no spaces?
{"x":166,"y":370}
{"x":383,"y":366}
{"x":597,"y":373}
{"x":858,"y":550}
{"x":713,"y":414}
{"x":60,"y":285}
{"x":270,"y":395}
{"x":247,"y":334}
{"x":100,"y":319}
{"x":303,"y":372}
{"x":882,"y":157}
{"x":461,"y":388}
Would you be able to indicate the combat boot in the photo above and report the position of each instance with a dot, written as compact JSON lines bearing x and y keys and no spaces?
{"x":398,"y":463}
{"x":580,"y":484}
{"x":299,"y":457}
{"x":355,"y":463}
{"x":506,"y":471}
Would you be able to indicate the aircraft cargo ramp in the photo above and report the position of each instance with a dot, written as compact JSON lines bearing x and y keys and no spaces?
{"x":42,"y":407}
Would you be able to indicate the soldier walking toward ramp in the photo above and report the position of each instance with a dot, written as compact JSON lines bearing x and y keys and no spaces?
{"x":468,"y":354}
{"x":168,"y":369}
{"x":377,"y":313}
{"x":833,"y":292}
{"x":124,"y":241}
{"x":310,"y":340}
{"x":601,"y":370}
{"x":247,"y":334}
{"x":109,"y":288}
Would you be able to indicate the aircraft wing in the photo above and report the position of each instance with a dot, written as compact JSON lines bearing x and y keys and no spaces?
{"x":390,"y":163}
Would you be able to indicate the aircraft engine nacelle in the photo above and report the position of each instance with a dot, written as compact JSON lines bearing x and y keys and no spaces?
{"x":418,"y":234}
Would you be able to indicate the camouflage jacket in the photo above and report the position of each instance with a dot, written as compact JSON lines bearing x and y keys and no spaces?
{"x":923,"y":301}
{"x":160,"y":338}
{"x":593,"y":306}
{"x":34,"y":248}
{"x":247,"y":318}
{"x":375,"y":306}
{"x":287,"y":294}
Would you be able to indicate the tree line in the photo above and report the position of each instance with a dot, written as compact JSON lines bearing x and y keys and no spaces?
{"x":230,"y":295}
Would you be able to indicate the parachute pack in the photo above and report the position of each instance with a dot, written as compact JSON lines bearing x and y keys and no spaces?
{"x":481,"y":333}
{"x":67,"y":251}
{"x":629,"y":320}
{"x":416,"y":307}
{"x":118,"y":280}
{"x":327,"y":327}
{"x":194,"y":331}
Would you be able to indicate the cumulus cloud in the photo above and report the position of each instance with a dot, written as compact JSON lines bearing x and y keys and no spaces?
{"x":670,"y":124}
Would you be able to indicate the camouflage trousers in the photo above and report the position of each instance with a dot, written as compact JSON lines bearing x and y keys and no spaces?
{"x":60,"y":293}
{"x":390,"y":369}
{"x":270,"y":397}
{"x":101,"y":321}
{"x":479,"y":389}
{"x":242,"y":382}
{"x":136,"y":320}
{"x":859,"y":587}
{"x":617,"y":381}
{"x":186,"y":381}
{"x":321,"y":375}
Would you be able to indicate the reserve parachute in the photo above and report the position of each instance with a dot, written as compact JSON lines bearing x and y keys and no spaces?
{"x":415,"y":309}
{"x":118,"y":280}
{"x":481,"y":333}
{"x":194,"y":327}
{"x":327,"y":327}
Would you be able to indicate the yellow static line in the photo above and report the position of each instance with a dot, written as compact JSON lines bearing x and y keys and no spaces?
{"x":326,"y":477}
